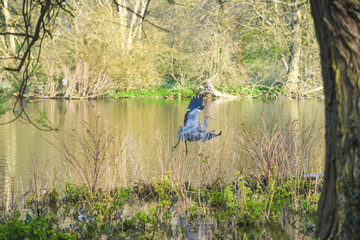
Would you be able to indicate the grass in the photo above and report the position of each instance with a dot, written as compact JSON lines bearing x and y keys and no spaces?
{"x":182,"y":91}
{"x":179,"y":92}
{"x":251,"y":91}
{"x":186,"y":91}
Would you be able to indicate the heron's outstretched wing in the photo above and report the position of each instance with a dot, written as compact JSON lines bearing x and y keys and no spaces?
{"x":203,"y":135}
{"x":191,"y":120}
{"x":196,"y":102}
{"x":207,"y":135}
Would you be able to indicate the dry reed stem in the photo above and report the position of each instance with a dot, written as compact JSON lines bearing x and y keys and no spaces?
{"x":279,"y":149}
{"x":85,"y":83}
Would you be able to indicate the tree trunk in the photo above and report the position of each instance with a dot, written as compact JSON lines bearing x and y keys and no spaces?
{"x":144,"y":6}
{"x":337,"y":26}
{"x":133,"y":18}
{"x":130,"y":20}
{"x":8,"y":27}
{"x":210,"y":90}
{"x":291,"y":86}
{"x":123,"y":24}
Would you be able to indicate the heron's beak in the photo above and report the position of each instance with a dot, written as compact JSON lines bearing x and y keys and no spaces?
{"x":215,"y":119}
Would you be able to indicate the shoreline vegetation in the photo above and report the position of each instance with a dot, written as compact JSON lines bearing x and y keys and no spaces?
{"x":166,"y":209}
{"x":185,"y":91}
{"x":276,"y":198}
{"x":95,"y":49}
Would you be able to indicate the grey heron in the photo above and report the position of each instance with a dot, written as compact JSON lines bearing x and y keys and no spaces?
{"x":193,"y":130}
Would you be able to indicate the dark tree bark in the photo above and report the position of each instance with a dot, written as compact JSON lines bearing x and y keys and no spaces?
{"x":337,"y":25}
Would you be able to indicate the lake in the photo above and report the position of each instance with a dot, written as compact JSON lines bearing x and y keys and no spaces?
{"x":146,"y":131}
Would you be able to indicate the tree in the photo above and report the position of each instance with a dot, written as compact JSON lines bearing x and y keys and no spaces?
{"x":35,"y":21}
{"x":131,"y":16}
{"x":202,"y":42}
{"x":293,"y":73}
{"x":278,"y":44}
{"x":6,"y":22}
{"x":337,"y":26}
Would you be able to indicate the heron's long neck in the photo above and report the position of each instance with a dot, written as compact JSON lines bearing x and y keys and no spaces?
{"x":206,"y":122}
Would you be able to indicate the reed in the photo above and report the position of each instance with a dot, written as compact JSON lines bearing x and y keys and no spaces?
{"x":93,"y":154}
{"x":95,"y":202}
{"x":279,"y":148}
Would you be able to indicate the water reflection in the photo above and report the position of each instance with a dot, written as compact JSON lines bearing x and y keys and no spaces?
{"x":215,"y":229}
{"x":149,"y":129}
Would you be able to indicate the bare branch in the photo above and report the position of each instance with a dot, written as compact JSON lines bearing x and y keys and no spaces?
{"x":17,"y":34}
{"x":38,"y":28}
{"x":142,"y":17}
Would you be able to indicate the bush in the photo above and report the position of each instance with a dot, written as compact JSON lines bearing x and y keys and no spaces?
{"x":31,"y":228}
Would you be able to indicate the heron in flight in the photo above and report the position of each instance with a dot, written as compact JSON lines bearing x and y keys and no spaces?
{"x":193,"y":130}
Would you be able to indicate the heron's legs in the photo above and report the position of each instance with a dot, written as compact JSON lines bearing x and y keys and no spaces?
{"x":175,"y":145}
{"x":178,"y":144}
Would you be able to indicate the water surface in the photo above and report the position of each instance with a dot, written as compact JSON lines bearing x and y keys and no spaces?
{"x":147,"y":130}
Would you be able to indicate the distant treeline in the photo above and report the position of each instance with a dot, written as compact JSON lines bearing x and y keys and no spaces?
{"x":103,"y":47}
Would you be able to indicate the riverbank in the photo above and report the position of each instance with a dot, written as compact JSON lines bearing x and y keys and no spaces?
{"x":183,"y":91}
{"x":166,"y":209}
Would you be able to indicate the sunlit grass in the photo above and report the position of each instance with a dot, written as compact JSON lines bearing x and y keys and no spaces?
{"x":179,"y":92}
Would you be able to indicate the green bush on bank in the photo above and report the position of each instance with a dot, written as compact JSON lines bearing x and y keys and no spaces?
{"x":187,"y":91}
{"x":178,"y":91}
{"x":253,"y":91}
{"x":184,"y":91}
{"x":40,"y":227}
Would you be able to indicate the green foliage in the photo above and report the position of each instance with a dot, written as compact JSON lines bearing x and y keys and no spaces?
{"x":186,"y":91}
{"x":43,"y":121}
{"x":5,"y":95}
{"x":244,"y":202}
{"x":165,"y":192}
{"x":251,"y":91}
{"x":194,"y":212}
{"x":41,"y":227}
{"x":182,"y":91}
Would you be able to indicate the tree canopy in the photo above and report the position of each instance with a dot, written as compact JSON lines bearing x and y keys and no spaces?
{"x":106,"y":46}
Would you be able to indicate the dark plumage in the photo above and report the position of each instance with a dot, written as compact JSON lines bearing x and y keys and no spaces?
{"x":195,"y":103}
{"x":193,"y":130}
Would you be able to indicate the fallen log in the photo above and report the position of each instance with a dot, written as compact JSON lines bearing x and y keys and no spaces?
{"x":210,"y":90}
